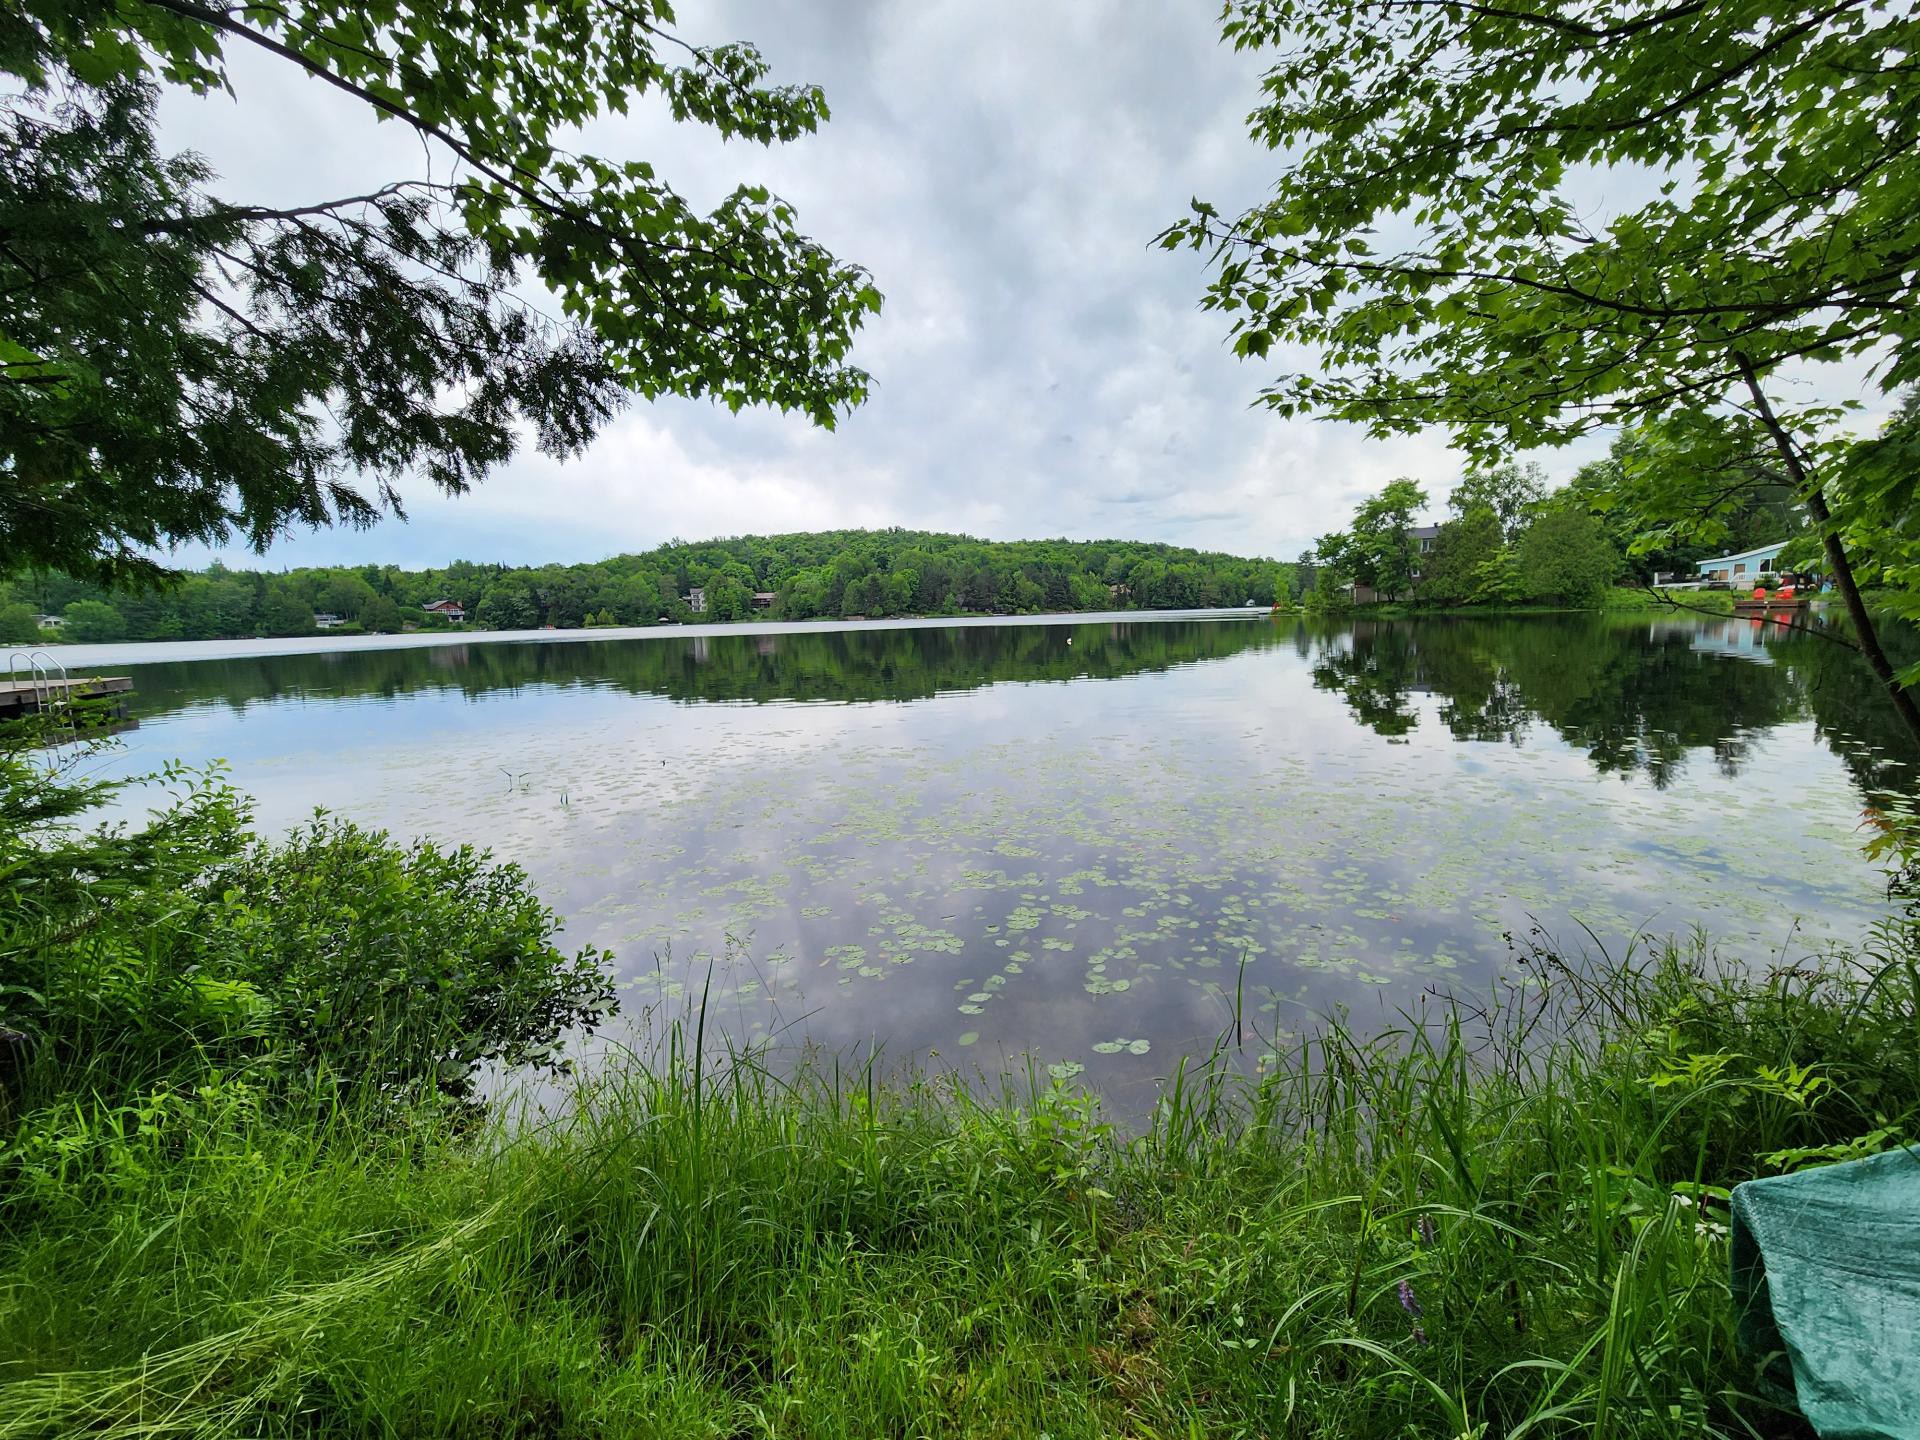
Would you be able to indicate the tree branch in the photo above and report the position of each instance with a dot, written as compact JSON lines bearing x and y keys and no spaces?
{"x":180,"y":223}
{"x":531,"y":189}
{"x":1558,"y":23}
{"x":1278,"y":258}
{"x":1836,"y":551}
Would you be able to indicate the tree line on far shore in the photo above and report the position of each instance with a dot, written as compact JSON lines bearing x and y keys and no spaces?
{"x":831,"y":574}
{"x":1510,"y":540}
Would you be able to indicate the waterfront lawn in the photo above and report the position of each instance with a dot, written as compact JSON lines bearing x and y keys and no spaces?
{"x":1672,"y":603}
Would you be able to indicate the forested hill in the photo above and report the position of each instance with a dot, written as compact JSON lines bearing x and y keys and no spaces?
{"x":874,"y":573}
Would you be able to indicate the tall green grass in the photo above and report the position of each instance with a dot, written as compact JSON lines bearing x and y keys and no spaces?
{"x":1498,"y":1220}
{"x":1670,"y":602}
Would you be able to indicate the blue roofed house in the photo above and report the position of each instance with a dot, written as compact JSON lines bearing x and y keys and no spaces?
{"x":1743,"y":567}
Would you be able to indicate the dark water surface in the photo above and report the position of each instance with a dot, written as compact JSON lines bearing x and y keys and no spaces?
{"x":1065,"y":840}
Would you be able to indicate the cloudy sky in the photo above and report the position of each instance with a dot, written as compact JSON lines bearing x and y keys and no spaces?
{"x":1001,"y":168}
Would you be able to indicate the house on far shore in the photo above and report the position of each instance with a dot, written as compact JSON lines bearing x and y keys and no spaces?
{"x":1742,"y":567}
{"x":697,"y":600}
{"x":322,"y":620}
{"x":51,"y":622}
{"x":763,"y":599}
{"x":1423,"y":537}
{"x":451,"y":609}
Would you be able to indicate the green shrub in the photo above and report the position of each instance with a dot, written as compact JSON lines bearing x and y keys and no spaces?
{"x":394,"y":967}
{"x":18,"y":624}
{"x":136,"y":959}
{"x":93,"y":622}
{"x":1564,"y":555}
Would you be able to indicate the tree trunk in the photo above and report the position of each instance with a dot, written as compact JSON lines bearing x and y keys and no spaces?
{"x":1836,"y":553}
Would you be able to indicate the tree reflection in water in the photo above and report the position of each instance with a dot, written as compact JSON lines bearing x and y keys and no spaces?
{"x":1634,"y":695}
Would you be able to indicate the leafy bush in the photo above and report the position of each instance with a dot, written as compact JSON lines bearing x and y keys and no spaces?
{"x":93,"y":621}
{"x":1565,"y":555}
{"x":398,"y":966}
{"x":137,"y":958}
{"x":1464,"y":551}
{"x":18,"y":624}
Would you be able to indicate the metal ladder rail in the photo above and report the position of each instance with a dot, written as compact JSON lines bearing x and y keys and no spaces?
{"x":48,"y":695}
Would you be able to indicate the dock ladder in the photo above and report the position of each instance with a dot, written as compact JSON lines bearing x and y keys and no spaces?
{"x":52,"y":688}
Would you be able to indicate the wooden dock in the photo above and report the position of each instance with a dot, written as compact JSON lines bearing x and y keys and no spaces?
{"x":1797,"y":605}
{"x":29,"y":697}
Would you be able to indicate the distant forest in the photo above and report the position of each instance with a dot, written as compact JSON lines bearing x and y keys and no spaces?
{"x":832,"y":574}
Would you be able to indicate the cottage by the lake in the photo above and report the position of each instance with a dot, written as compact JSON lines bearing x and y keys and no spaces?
{"x":1742,"y":566}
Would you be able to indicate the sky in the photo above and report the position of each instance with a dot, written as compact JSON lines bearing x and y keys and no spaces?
{"x":1041,"y":369}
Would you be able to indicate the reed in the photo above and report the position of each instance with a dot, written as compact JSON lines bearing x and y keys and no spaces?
{"x":1500,"y":1219}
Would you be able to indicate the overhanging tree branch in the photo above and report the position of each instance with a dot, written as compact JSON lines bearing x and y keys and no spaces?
{"x":1836,"y":551}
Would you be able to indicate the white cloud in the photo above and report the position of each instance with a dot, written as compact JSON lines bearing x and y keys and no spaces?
{"x":1002,"y":168}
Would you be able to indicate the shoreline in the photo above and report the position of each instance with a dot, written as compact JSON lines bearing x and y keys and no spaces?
{"x":158,"y":652}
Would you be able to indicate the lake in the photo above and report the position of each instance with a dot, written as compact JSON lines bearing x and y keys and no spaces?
{"x":1075,"y":839}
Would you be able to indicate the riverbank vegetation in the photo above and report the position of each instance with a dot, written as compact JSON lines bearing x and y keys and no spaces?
{"x":253,"y":1193}
{"x":825,"y":574}
{"x":251,"y":1182}
{"x":1510,"y":542}
{"x":1555,"y":562}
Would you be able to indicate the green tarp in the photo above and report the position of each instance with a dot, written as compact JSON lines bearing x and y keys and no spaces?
{"x":1826,"y":1282}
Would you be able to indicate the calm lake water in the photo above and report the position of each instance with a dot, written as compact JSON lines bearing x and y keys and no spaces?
{"x":1069,"y":840}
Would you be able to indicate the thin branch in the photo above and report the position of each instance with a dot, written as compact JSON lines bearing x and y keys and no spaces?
{"x":1701,"y":90}
{"x":228,"y":213}
{"x":532,"y":189}
{"x":1857,"y":296}
{"x":232,"y":314}
{"x":1560,"y":23}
